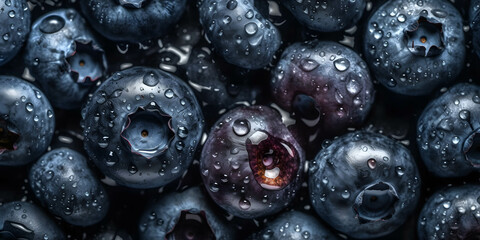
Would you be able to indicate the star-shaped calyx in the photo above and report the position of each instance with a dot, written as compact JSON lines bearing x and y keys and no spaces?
{"x":87,"y":63}
{"x":8,"y":137}
{"x":425,"y":38}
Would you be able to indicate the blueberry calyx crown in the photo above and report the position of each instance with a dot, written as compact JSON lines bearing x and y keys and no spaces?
{"x":274,"y":162}
{"x":148,"y":131}
{"x":191,"y":226}
{"x":132,"y":3}
{"x":375,"y":202}
{"x":425,"y":38}
{"x":8,"y":137}
{"x":306,"y":109}
{"x":471,"y":148}
{"x":15,"y":231}
{"x":86,"y":63}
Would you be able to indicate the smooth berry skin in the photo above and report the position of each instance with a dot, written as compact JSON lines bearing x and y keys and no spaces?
{"x":474,"y":18}
{"x":168,"y":218}
{"x":233,"y":171}
{"x":451,"y":213}
{"x":142,"y":126}
{"x":27,"y":122}
{"x":23,"y":220}
{"x":417,"y":47}
{"x":334,"y":82}
{"x":326,"y":16}
{"x":294,"y":225}
{"x":64,"y":184}
{"x":64,"y":57}
{"x":448,"y":132}
{"x":239,"y":32}
{"x":15,"y":19}
{"x":364,"y":184}
{"x":133,"y":20}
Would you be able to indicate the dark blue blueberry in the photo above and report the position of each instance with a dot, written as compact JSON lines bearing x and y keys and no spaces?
{"x":474,"y":15}
{"x":15,"y":19}
{"x":27,"y":122}
{"x":64,"y":57}
{"x":326,"y":16}
{"x":364,"y":184}
{"x":250,"y":163}
{"x":449,"y":132}
{"x":451,"y":213}
{"x":132,"y":20}
{"x":294,"y":225}
{"x":25,"y":221}
{"x":326,"y":85}
{"x":65,"y":185}
{"x":414,"y":47}
{"x":112,"y":233}
{"x":142,"y":127}
{"x":239,"y":33}
{"x":185,"y":215}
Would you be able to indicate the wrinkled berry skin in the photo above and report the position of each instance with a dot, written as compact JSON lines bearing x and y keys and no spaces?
{"x":64,"y":57}
{"x":364,"y":184}
{"x":29,"y":121}
{"x":333,"y":77}
{"x":132,"y":20}
{"x":294,"y":225}
{"x":168,"y":218}
{"x":64,"y":184}
{"x":326,"y":16}
{"x":474,"y":17}
{"x":448,"y":132}
{"x":15,"y":19}
{"x":23,"y":220}
{"x":251,"y":164}
{"x":417,"y":47}
{"x":451,"y":213}
{"x":142,"y":127}
{"x":239,"y":33}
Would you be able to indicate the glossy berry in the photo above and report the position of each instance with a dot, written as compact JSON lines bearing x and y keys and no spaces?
{"x":132,"y":20}
{"x":27,"y":122}
{"x":451,"y":213}
{"x":414,"y":47}
{"x":15,"y":19}
{"x":62,"y":181}
{"x":326,"y":16}
{"x":364,"y":184}
{"x":23,"y":220}
{"x":449,"y":132}
{"x":250,"y":163}
{"x":294,"y":225}
{"x":64,"y":57}
{"x":142,"y":126}
{"x":239,"y":32}
{"x":185,"y":215}
{"x":326,"y":85}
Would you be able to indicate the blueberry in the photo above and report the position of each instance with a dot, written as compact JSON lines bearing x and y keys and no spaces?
{"x":15,"y":19}
{"x":184,"y":215}
{"x":23,"y":220}
{"x":251,"y":163}
{"x":364,"y":184}
{"x":414,"y":47}
{"x":62,"y":181}
{"x":449,"y":132}
{"x":451,"y":213}
{"x":474,"y":17}
{"x":142,"y":127}
{"x":239,"y":32}
{"x":326,"y":16}
{"x":294,"y":225}
{"x":133,"y":20}
{"x":326,"y":85}
{"x":27,"y":122}
{"x":64,"y":57}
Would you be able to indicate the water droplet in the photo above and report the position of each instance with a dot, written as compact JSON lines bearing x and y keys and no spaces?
{"x":241,"y":127}
{"x":353,"y":87}
{"x":214,"y":187}
{"x":150,"y":79}
{"x":400,"y":171}
{"x":251,"y":28}
{"x":346,"y":194}
{"x":342,"y":64}
{"x":182,"y":132}
{"x":308,"y":65}
{"x":267,"y":235}
{"x":372,"y":163}
{"x":306,"y":235}
{"x":169,"y":93}
{"x":249,"y":14}
{"x":232,"y":4}
{"x":132,"y":169}
{"x":446,"y":204}
{"x":6,"y":36}
{"x":439,"y":13}
{"x":455,"y":140}
{"x":227,"y":19}
{"x":378,"y":34}
{"x":464,"y":115}
{"x":244,"y":204}
{"x":401,"y":18}
{"x":29,"y":107}
{"x":52,"y":24}
{"x":179,"y":145}
{"x":49,"y":174}
{"x":11,"y":14}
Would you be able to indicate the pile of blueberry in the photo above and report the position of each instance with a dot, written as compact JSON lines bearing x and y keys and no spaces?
{"x":239,"y":119}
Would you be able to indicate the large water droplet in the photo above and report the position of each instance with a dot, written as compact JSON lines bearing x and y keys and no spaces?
{"x":232,"y":4}
{"x":52,"y":24}
{"x":241,"y":127}
{"x":341,"y":64}
{"x":353,"y":87}
{"x":244,"y":204}
{"x":251,"y":28}
{"x":150,"y":79}
{"x":29,"y":107}
{"x":372,"y":163}
{"x":169,"y":93}
{"x":308,"y":64}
